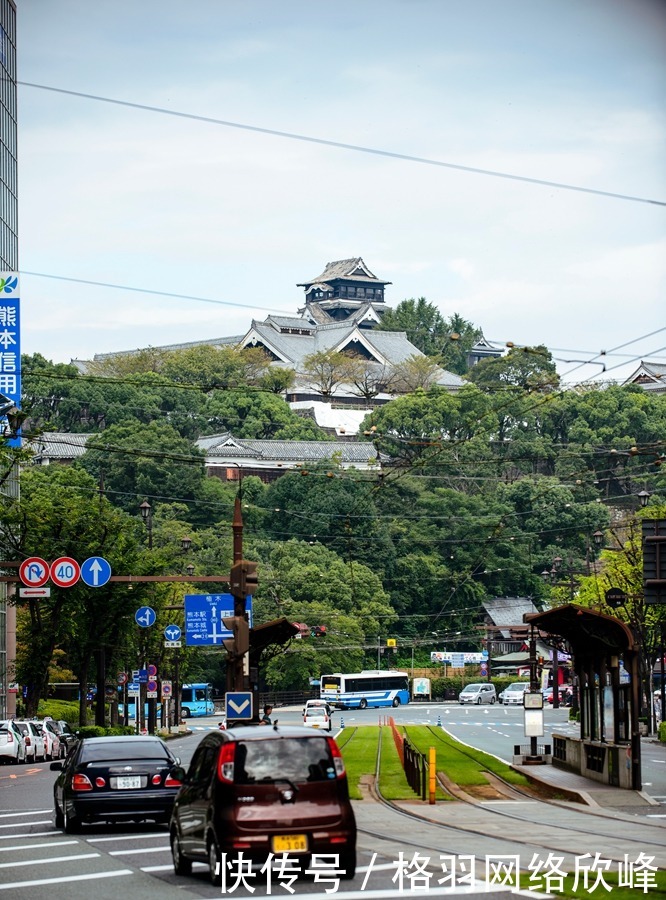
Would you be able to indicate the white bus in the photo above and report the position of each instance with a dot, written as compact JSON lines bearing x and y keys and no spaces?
{"x":360,"y":690}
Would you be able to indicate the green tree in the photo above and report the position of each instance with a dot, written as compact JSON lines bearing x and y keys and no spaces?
{"x":523,"y":368}
{"x":250,"y":413}
{"x":326,"y":370}
{"x":420,"y":320}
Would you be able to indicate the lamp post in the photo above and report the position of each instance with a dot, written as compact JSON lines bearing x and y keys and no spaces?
{"x":146,"y":511}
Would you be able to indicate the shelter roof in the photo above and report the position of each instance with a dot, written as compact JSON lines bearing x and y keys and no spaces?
{"x":585,"y":630}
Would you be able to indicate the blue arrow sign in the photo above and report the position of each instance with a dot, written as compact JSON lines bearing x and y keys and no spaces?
{"x":95,"y":571}
{"x":203,"y":618}
{"x":145,"y":616}
{"x":172,"y":633}
{"x":238,"y":705}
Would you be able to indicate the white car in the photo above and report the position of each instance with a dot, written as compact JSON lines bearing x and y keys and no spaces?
{"x":12,"y":745}
{"x":35,"y":748}
{"x":317,"y":717}
{"x":513,"y":694}
{"x":51,"y":739}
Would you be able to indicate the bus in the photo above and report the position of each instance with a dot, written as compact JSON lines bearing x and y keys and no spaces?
{"x":368,"y":688}
{"x":196,"y":700}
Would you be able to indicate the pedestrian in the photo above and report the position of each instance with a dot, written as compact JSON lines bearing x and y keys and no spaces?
{"x":266,"y":718}
{"x":657,"y":707}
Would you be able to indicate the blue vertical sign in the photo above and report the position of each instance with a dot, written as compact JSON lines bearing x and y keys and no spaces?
{"x":10,"y":351}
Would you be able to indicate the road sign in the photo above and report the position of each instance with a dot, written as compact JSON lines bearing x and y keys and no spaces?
{"x":145,"y":616}
{"x":34,"y":571}
{"x":151,"y":685}
{"x":122,"y":677}
{"x":172,"y":633}
{"x":238,"y":705}
{"x":140,"y":675}
{"x":615,"y":597}
{"x":458,"y":660}
{"x":483,"y":669}
{"x":35,"y":592}
{"x":95,"y":571}
{"x":133,"y":689}
{"x":65,"y":571}
{"x":173,"y":644}
{"x":167,"y":688}
{"x":203,"y":618}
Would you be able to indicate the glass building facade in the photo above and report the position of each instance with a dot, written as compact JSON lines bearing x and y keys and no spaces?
{"x":8,"y":263}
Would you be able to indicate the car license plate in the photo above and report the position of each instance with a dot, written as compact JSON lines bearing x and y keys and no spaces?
{"x":125,"y":782}
{"x":289,"y":843}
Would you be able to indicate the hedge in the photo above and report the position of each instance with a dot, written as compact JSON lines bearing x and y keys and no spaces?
{"x":440,"y":686}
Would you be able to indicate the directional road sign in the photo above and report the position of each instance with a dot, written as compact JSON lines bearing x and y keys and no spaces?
{"x":95,"y":571}
{"x":203,"y":618}
{"x":238,"y":705}
{"x":65,"y":571}
{"x":145,"y":616}
{"x":34,"y":571}
{"x":172,"y":633}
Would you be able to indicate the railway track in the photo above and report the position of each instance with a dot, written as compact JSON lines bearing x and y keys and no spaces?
{"x":536,"y":832}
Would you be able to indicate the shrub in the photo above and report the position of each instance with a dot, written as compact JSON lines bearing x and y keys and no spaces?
{"x":98,"y":731}
{"x":662,"y":732}
{"x":67,"y":710}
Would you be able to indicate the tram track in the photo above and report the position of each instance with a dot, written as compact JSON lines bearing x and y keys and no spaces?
{"x":545,"y":836}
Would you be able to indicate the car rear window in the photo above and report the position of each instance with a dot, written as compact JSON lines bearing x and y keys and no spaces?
{"x":315,"y":711}
{"x":116,"y":751}
{"x":298,"y":759}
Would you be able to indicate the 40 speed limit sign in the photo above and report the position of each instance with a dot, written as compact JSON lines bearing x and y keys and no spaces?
{"x":65,"y":571}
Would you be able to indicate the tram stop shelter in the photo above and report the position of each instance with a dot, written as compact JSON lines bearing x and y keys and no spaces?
{"x":603,"y":649}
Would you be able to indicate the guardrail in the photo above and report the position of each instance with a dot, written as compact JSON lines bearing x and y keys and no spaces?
{"x":416,"y":769}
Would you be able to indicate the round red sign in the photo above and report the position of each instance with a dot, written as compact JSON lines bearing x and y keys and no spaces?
{"x":34,"y":571}
{"x":65,"y":571}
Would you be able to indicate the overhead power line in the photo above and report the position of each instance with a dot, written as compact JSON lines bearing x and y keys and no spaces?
{"x":293,"y":136}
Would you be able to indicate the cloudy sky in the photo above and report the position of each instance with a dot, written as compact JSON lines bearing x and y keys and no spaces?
{"x":570,"y":92}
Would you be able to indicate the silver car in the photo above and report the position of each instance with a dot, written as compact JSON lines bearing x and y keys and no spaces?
{"x":513,"y":694}
{"x":483,"y":692}
{"x":35,"y":749}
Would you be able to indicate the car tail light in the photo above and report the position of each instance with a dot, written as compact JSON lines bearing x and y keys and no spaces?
{"x":170,"y":781}
{"x":10,"y":737}
{"x":156,"y":779}
{"x":81,"y":782}
{"x":225,"y":763}
{"x":27,"y":741}
{"x":100,"y":782}
{"x":338,"y":761}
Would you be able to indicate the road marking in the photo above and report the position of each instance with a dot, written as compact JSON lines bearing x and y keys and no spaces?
{"x":66,"y":879}
{"x":127,"y":837}
{"x":37,"y":812}
{"x":35,"y":846}
{"x":52,"y":859}
{"x":33,"y":834}
{"x":169,"y":868}
{"x":28,"y":824}
{"x":140,"y":850}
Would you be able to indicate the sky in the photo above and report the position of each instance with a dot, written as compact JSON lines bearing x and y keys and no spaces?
{"x":570,"y":92}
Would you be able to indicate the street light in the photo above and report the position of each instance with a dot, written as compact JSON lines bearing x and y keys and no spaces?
{"x":146,"y":511}
{"x":644,"y":498}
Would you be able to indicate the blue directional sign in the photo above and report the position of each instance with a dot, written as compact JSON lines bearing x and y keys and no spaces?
{"x":238,"y":705}
{"x":172,"y":633}
{"x":95,"y":571}
{"x":145,"y":616}
{"x":203,"y":618}
{"x":10,"y":351}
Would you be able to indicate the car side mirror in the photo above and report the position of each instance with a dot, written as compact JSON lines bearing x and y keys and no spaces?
{"x":178,"y":773}
{"x":56,"y":766}
{"x":275,"y":724}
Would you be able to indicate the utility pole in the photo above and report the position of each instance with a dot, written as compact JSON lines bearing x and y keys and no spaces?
{"x":242,"y":581}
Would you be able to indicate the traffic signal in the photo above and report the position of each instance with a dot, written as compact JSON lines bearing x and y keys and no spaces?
{"x":240,"y":642}
{"x":244,"y":578}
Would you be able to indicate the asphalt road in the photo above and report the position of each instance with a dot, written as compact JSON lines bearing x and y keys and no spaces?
{"x":39,"y":861}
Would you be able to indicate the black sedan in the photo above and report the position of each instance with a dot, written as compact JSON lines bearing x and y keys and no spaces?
{"x":124,"y":778}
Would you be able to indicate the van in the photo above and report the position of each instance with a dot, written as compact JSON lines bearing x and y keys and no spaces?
{"x":255,"y":791}
{"x":478,"y":693}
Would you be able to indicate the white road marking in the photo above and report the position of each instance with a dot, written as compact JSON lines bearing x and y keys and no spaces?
{"x":28,"y":824}
{"x":12,"y":837}
{"x":36,"y":812}
{"x":35,"y":846}
{"x":127,"y":837}
{"x":52,"y":859}
{"x":140,"y":850}
{"x":66,"y":879}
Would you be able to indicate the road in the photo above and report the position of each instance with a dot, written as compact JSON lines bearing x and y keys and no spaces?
{"x":37,"y":860}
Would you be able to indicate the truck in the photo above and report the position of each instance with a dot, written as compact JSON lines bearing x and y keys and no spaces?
{"x":421,"y":689}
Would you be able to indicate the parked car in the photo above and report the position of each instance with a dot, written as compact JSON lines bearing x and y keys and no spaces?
{"x":51,"y":739}
{"x":265,"y":790}
{"x":478,"y":693}
{"x":565,"y":691}
{"x":12,"y":744}
{"x":317,"y":717}
{"x":115,"y":778}
{"x":309,"y":704}
{"x":65,"y":733}
{"x":513,"y":694}
{"x":35,"y":749}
